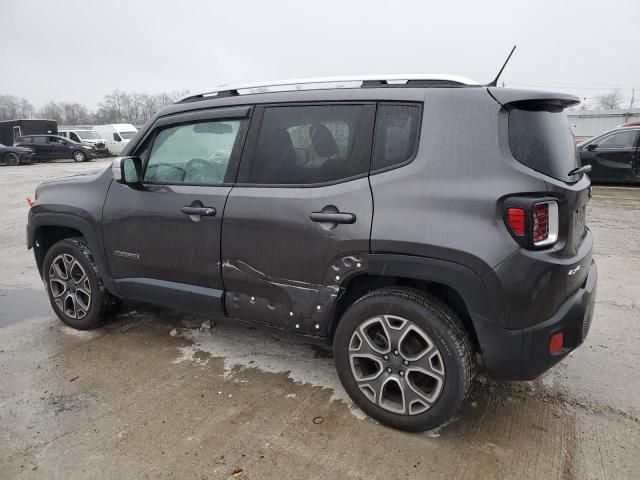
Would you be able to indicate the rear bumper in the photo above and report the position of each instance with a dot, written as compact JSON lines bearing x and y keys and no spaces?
{"x":523,"y":354}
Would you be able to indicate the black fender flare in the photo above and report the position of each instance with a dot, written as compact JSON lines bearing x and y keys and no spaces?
{"x":58,"y":219}
{"x":481,"y":299}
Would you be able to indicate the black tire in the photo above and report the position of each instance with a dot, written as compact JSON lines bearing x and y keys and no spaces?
{"x":443,"y":327}
{"x":79,"y":156}
{"x":101,"y":303}
{"x":12,"y":159}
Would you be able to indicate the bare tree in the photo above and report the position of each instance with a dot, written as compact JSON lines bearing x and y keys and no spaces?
{"x":609,"y":101}
{"x":75,"y":114}
{"x":52,"y":111}
{"x":13,"y":108}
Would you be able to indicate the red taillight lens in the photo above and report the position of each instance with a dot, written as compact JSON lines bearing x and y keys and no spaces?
{"x":516,"y":220}
{"x":556,"y":343}
{"x":540,"y":222}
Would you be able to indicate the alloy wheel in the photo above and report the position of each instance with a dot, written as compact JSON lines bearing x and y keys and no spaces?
{"x":396,"y":365}
{"x":79,"y":157}
{"x":70,"y":286}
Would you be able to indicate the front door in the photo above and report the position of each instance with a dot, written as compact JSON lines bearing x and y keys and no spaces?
{"x":297,"y":223}
{"x":58,"y":148}
{"x":613,"y":157}
{"x":162,"y":239}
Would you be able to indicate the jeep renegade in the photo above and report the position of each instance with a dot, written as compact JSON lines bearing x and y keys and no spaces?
{"x":423,"y":225}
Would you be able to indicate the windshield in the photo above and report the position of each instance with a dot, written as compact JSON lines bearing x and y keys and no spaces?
{"x":542,"y":140}
{"x":88,"y":134}
{"x":127,"y":135}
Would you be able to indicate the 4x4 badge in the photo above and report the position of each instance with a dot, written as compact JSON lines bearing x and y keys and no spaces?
{"x":573,"y":271}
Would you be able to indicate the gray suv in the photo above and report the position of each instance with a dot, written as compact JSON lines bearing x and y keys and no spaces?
{"x":421,"y":225}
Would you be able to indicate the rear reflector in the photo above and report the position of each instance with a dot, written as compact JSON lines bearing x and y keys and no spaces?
{"x":556,"y":343}
{"x":545,"y":223}
{"x":540,"y":222}
{"x":516,"y":220}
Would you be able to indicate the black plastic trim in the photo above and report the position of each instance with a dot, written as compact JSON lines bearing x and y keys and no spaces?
{"x":180,"y":296}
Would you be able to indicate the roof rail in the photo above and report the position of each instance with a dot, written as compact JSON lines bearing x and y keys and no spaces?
{"x":406,"y":80}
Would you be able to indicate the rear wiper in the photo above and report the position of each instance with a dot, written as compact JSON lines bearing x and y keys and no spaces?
{"x":584,"y":169}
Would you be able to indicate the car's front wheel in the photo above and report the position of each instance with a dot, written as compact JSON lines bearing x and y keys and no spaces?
{"x":74,"y":287}
{"x":404,"y":358}
{"x":79,"y":156}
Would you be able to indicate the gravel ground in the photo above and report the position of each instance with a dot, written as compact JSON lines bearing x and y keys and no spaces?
{"x":157,"y":394}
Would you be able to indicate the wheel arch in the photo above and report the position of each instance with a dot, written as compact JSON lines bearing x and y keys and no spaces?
{"x":456,"y":285}
{"x":45,"y":229}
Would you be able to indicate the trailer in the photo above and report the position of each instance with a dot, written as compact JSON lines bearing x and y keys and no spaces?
{"x":12,"y":129}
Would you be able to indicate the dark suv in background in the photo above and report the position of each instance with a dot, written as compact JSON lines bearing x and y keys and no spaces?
{"x":614,"y":156}
{"x":422,"y":225}
{"x":53,"y":147}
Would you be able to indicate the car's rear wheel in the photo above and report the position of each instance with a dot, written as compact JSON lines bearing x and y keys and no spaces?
{"x":404,"y":358}
{"x":79,"y":156}
{"x":73,"y":284}
{"x":11,"y":159}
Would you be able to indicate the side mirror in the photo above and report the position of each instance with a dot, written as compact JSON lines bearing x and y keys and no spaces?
{"x":127,"y":170}
{"x":592,"y":146}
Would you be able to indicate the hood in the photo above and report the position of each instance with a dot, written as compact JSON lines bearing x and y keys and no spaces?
{"x":79,"y":178}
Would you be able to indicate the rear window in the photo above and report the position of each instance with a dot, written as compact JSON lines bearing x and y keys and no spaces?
{"x":543,"y":140}
{"x":396,"y":135}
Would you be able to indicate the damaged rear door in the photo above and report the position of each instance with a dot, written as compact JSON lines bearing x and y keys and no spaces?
{"x":298,"y":219}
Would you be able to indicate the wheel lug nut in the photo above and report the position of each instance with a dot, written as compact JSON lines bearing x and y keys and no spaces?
{"x":405,"y":363}
{"x":395,"y":352}
{"x":401,"y":373}
{"x":388,"y":370}
{"x":386,"y":357}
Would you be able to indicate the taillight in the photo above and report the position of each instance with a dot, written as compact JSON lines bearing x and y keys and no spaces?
{"x":533,"y":222}
{"x":545,"y":223}
{"x":516,"y":220}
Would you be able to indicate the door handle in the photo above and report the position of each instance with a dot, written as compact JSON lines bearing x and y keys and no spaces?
{"x":332,"y":217}
{"x":203,"y":211}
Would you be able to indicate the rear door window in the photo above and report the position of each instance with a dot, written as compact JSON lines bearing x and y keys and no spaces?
{"x":312,"y":144}
{"x":396,"y":137}
{"x":40,"y":140}
{"x":543,"y":141}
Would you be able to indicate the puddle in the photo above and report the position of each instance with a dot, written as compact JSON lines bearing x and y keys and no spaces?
{"x":18,"y":305}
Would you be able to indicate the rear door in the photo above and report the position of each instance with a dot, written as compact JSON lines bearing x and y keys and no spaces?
{"x":299,"y":218}
{"x":162,"y":240}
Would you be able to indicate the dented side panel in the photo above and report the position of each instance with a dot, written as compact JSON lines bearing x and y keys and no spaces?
{"x":281,"y":268}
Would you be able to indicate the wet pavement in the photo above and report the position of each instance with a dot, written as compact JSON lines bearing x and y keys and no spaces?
{"x":158,"y":394}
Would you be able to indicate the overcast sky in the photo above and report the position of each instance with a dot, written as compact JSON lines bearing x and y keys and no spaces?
{"x":79,"y":50}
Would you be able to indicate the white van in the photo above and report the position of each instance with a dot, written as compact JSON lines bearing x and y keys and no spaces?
{"x":87,"y":137}
{"x":117,"y":135}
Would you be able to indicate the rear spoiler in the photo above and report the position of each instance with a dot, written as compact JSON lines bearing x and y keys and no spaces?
{"x":532,"y":99}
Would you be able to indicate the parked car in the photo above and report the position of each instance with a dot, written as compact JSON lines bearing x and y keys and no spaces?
{"x":51,"y":147}
{"x":117,"y":135}
{"x":477,"y":246}
{"x":10,"y":155}
{"x":87,"y":137}
{"x":614,"y":156}
{"x":631,"y":124}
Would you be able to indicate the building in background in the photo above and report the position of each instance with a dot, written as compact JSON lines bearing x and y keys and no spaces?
{"x":589,"y":123}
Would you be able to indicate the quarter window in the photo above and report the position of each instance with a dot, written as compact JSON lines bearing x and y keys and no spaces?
{"x":192,"y":153}
{"x":302,"y":145}
{"x":620,"y":140}
{"x":397,"y":128}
